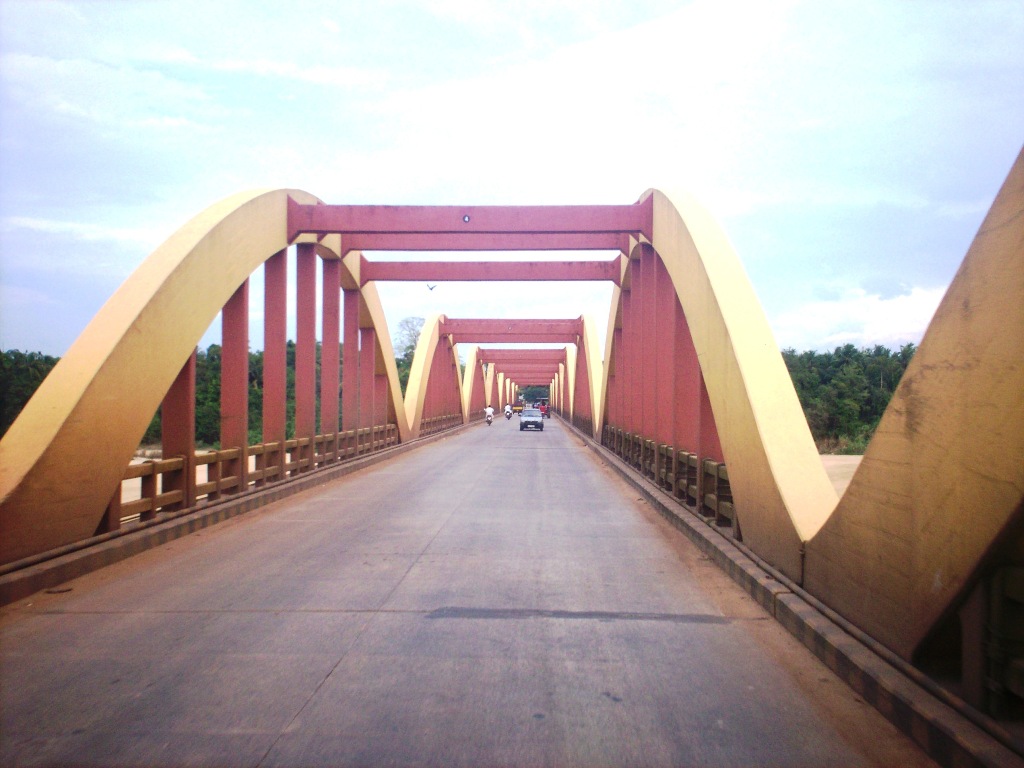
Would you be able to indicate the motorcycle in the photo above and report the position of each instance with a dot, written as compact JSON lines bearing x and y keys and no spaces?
{"x":489,"y":419}
{"x":508,"y":415}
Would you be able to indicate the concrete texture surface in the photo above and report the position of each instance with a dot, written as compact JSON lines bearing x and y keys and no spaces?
{"x":500,"y":598}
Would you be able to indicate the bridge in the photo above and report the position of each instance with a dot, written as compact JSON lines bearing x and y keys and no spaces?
{"x":908,"y":585}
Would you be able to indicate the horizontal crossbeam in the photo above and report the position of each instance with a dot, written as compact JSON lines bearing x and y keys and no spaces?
{"x":520,"y":355}
{"x":484,"y":241}
{"x":489,"y":331}
{"x":438,"y":271}
{"x":531,"y":380}
{"x":513,"y":338}
{"x":490,"y":325}
{"x":487,"y":227}
{"x":508,"y":370}
{"x":530,"y":377}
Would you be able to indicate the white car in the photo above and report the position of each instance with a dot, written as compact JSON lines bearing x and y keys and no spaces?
{"x":531,"y":418}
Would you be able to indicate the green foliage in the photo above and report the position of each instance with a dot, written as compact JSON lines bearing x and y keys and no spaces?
{"x":208,"y":366}
{"x":152,"y":435}
{"x":533,"y":393}
{"x":255,"y":397}
{"x":845,"y":392}
{"x":407,"y":336}
{"x":21,"y":373}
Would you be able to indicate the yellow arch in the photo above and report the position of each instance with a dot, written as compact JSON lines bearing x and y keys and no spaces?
{"x":595,"y":374}
{"x":468,"y":382}
{"x":942,"y":484}
{"x":63,"y":458}
{"x":943,"y":479}
{"x":491,"y":386}
{"x":776,"y":475}
{"x":419,"y":372}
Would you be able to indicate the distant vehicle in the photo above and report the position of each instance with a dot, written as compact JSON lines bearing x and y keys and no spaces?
{"x":517,"y":408}
{"x":531,"y":418}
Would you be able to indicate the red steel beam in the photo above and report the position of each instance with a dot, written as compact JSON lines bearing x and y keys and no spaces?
{"x":526,"y":366}
{"x":506,"y":367}
{"x":490,"y":331}
{"x":531,"y":380}
{"x":492,"y":326}
{"x":484,"y":241}
{"x":305,"y":347}
{"x":513,"y":338}
{"x":491,"y":227}
{"x":514,"y":355}
{"x":416,"y":271}
{"x":531,"y":377}
{"x":234,"y":384}
{"x":509,"y":368}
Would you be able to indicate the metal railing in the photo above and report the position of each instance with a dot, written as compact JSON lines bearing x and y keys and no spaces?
{"x":165,"y":484}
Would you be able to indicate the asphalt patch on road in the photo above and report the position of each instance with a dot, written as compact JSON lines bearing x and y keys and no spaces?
{"x":519,"y":614}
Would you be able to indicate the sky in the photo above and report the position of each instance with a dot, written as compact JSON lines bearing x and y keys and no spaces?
{"x":850,"y":150}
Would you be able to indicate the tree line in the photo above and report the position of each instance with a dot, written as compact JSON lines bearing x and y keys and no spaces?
{"x":208,"y":367}
{"x":21,"y":373}
{"x":843,"y":392}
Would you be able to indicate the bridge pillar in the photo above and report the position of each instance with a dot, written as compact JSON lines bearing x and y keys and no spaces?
{"x":615,"y":391}
{"x":688,"y":387}
{"x":305,"y":354}
{"x":649,"y":349}
{"x":350,"y":367}
{"x":178,"y":434}
{"x":234,"y":385}
{"x":380,"y":393}
{"x":330,"y":354}
{"x":666,"y":308}
{"x":275,"y":358}
{"x":367,"y":383}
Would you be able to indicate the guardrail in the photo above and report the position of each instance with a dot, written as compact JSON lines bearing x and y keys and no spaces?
{"x":439,"y":423}
{"x":167,"y":484}
{"x":699,"y":484}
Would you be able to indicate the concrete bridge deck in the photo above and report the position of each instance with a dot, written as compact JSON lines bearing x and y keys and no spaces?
{"x":501,"y":598}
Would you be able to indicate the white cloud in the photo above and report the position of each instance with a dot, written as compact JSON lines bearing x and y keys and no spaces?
{"x":343,"y":77}
{"x":738,"y":103}
{"x":113,"y":97}
{"x":793,"y":118}
{"x":85,"y":231}
{"x":859,"y":318}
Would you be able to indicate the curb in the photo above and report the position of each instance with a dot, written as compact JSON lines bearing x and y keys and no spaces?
{"x":948,"y":737}
{"x":76,"y":560}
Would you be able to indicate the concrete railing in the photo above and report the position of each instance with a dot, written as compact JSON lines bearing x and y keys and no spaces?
{"x":156,"y":485}
{"x":699,"y":484}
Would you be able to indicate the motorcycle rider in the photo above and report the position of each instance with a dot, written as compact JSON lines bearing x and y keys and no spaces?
{"x":508,"y":410}
{"x":489,"y":414}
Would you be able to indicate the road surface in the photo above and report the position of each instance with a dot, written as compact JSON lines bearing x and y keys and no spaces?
{"x":497,"y":598}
